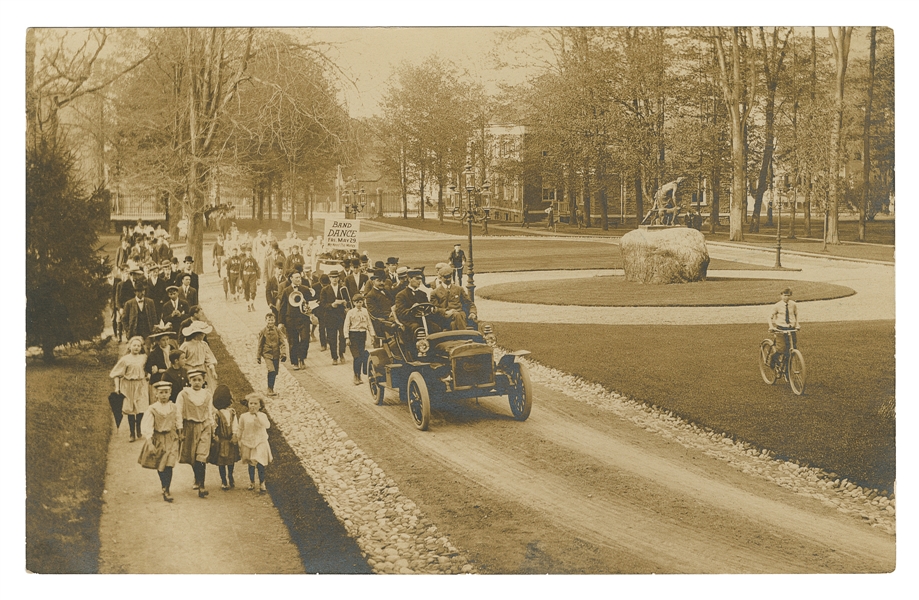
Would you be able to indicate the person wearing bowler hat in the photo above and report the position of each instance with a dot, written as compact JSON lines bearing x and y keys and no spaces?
{"x":162,"y":426}
{"x":197,"y":352}
{"x":188,"y":268}
{"x":334,"y":300}
{"x":174,"y":310}
{"x":194,"y":406}
{"x":392,"y":265}
{"x":140,"y":313}
{"x":379,"y":305}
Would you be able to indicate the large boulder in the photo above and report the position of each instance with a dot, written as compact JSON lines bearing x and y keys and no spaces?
{"x":664,"y":255}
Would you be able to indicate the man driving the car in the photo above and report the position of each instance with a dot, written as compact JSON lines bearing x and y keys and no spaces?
{"x":405,"y":300}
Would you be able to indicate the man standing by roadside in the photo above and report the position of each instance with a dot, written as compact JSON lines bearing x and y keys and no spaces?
{"x":458,"y":260}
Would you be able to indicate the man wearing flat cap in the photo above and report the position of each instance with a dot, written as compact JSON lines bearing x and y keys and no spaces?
{"x":452,"y":302}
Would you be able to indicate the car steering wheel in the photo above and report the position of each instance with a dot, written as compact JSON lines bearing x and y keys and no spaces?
{"x":422,"y":309}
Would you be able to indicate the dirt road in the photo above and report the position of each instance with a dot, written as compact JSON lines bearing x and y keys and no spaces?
{"x":579,"y":489}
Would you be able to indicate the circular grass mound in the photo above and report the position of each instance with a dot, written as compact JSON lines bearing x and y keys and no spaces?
{"x":616,"y":291}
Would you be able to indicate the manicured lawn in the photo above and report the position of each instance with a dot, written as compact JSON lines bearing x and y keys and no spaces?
{"x":616,"y":291}
{"x":709,"y":375}
{"x":68,"y":426}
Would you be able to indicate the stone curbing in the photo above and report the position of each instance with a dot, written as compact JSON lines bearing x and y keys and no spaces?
{"x":391,"y":531}
{"x":875,"y":507}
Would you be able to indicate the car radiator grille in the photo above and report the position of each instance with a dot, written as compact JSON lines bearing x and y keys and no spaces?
{"x":476,"y":370}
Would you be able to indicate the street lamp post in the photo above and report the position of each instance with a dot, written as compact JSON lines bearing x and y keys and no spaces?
{"x":473,"y":213}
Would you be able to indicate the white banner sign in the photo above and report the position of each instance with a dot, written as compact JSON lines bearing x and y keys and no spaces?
{"x":342,"y":234}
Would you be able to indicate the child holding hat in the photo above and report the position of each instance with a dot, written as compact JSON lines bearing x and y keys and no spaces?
{"x":162,"y":427}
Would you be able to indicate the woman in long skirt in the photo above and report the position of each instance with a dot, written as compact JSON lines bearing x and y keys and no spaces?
{"x":131,"y":380}
{"x":195,"y":407}
{"x":162,"y":426}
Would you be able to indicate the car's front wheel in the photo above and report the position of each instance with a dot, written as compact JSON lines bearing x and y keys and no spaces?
{"x":520,"y":396}
{"x":419,"y":401}
{"x":377,"y":391}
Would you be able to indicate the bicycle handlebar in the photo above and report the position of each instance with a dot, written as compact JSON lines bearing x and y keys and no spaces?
{"x":774,"y":330}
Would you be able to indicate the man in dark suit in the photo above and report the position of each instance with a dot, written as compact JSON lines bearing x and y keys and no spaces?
{"x":273,"y":288}
{"x":156,"y":285}
{"x":187,"y":291}
{"x":140,"y":313}
{"x":174,"y":310}
{"x":379,"y":305}
{"x":333,"y":300}
{"x":188,"y":268}
{"x":356,"y":279}
{"x":405,"y":300}
{"x":295,"y":320}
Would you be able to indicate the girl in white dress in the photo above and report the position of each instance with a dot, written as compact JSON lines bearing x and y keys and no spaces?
{"x":253,"y":439}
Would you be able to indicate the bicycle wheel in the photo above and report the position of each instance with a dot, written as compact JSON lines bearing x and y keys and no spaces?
{"x":797,"y":372}
{"x":765,"y":351}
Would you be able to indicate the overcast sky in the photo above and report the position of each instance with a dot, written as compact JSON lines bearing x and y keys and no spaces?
{"x":369,"y":54}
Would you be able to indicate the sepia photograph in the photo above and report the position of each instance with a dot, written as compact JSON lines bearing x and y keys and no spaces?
{"x":491,"y":299}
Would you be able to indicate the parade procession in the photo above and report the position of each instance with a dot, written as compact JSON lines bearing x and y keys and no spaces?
{"x":592,"y":303}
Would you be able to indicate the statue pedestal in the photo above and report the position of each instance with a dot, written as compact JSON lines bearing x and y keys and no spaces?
{"x":664,"y":254}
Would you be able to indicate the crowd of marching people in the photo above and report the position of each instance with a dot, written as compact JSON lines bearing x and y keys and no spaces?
{"x":339,"y":299}
{"x":169,"y":373}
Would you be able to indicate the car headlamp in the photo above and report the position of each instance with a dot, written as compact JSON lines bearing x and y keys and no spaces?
{"x":423,"y":346}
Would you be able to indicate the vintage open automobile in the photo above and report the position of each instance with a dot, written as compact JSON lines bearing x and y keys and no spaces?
{"x":444,"y":366}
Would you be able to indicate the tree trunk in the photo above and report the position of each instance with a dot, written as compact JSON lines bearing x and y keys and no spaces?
{"x":841,"y":54}
{"x":587,"y":199}
{"x":739,"y":180}
{"x":639,"y":200}
{"x":866,"y":137}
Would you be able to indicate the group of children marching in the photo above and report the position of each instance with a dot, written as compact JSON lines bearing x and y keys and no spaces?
{"x":195,"y":424}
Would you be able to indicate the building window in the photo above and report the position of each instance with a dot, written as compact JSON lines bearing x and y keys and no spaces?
{"x":548,"y":195}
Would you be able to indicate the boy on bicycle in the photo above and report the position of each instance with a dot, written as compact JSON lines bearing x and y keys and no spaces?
{"x":784,"y":317}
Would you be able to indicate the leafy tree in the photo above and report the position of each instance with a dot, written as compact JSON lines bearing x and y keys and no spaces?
{"x":66,"y":276}
{"x":840,"y":42}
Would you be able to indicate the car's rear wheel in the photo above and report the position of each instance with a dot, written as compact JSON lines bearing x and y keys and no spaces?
{"x":419,"y":401}
{"x":520,"y":396}
{"x":377,"y":391}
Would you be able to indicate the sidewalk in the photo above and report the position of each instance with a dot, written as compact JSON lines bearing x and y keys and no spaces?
{"x":237,"y":531}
